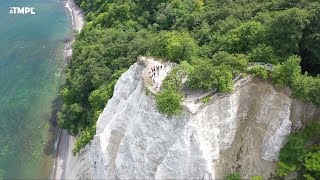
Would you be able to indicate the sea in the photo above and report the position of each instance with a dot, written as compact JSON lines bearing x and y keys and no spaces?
{"x":31,"y":74}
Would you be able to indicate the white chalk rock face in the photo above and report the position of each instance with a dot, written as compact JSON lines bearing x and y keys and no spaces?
{"x":242,"y":131}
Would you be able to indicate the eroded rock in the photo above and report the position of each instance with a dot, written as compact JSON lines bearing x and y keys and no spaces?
{"x":241,"y":131}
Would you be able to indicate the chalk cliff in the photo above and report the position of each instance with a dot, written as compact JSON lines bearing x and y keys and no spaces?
{"x":241,"y":131}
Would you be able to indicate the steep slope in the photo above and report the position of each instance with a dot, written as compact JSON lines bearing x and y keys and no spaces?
{"x":240,"y":131}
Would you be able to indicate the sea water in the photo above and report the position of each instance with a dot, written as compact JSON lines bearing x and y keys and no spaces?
{"x":30,"y":76}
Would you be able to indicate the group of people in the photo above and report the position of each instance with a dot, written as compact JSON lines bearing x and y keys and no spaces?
{"x":155,"y":71}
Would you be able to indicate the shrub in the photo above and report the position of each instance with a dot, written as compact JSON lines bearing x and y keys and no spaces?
{"x":233,"y":176}
{"x":169,"y":102}
{"x":263,"y":53}
{"x":83,"y":139}
{"x":259,"y":71}
{"x":297,"y":154}
{"x":207,"y":76}
{"x":284,"y":168}
{"x":312,"y":161}
{"x":285,"y":73}
{"x":207,"y":99}
{"x":256,"y":178}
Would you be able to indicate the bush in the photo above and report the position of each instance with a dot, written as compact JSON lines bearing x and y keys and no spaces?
{"x":172,"y":82}
{"x":169,"y":102}
{"x":243,"y":38}
{"x":298,"y":153}
{"x":233,"y":176}
{"x":83,"y":139}
{"x":237,"y":63}
{"x":293,"y":151}
{"x":312,"y":161}
{"x":256,"y":178}
{"x":207,"y":99}
{"x":207,"y":76}
{"x":284,"y":168}
{"x":263,"y":53}
{"x":259,"y":71}
{"x":285,"y":73}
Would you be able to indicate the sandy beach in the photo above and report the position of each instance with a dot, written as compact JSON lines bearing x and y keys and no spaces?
{"x":77,"y":15}
{"x":65,"y":140}
{"x":77,"y":18}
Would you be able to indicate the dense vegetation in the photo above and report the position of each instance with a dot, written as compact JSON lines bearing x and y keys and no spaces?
{"x":216,"y":38}
{"x":302,"y":153}
{"x":169,"y":98}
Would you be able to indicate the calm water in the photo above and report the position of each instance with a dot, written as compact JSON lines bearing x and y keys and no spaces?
{"x":30,"y":56}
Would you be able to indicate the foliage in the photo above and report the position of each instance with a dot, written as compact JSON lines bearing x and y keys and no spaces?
{"x":169,"y":99}
{"x":284,"y":168}
{"x":294,"y":150}
{"x":256,"y":178}
{"x":168,"y":102}
{"x":285,"y":40}
{"x":263,"y":53}
{"x":308,"y":177}
{"x":206,"y":99}
{"x":83,"y":139}
{"x":233,"y":176}
{"x":172,"y":82}
{"x":206,"y":75}
{"x":306,"y":88}
{"x":289,"y":73}
{"x":243,"y":38}
{"x":312,"y":161}
{"x":299,"y":154}
{"x":285,"y":73}
{"x":235,"y":62}
{"x":180,"y":46}
{"x":260,"y":71}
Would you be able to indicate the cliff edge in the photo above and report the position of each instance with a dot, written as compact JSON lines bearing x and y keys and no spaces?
{"x":242,"y":131}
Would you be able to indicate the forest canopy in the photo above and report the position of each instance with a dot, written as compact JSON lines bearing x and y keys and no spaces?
{"x":217,"y":38}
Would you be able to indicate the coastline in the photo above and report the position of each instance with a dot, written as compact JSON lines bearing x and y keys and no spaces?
{"x":65,"y":143}
{"x":77,"y":20}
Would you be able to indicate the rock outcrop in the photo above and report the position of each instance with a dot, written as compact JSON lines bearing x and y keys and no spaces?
{"x":242,"y":131}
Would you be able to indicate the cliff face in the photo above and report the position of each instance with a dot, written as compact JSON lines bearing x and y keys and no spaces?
{"x":240,"y":131}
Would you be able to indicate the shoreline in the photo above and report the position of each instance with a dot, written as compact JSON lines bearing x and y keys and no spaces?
{"x":77,"y":20}
{"x":65,"y":141}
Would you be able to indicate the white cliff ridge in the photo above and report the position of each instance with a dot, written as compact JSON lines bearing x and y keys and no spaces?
{"x":241,"y":131}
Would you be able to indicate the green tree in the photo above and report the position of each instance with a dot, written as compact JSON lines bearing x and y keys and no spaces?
{"x":207,"y":76}
{"x":243,"y":38}
{"x":312,"y":161}
{"x":310,"y":43}
{"x":70,"y":117}
{"x":169,"y":102}
{"x":285,"y":31}
{"x":259,"y":71}
{"x":235,"y":62}
{"x":302,"y":87}
{"x":202,"y":76}
{"x":285,"y":73}
{"x":224,"y":79}
{"x":263,"y":53}
{"x":180,"y":46}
